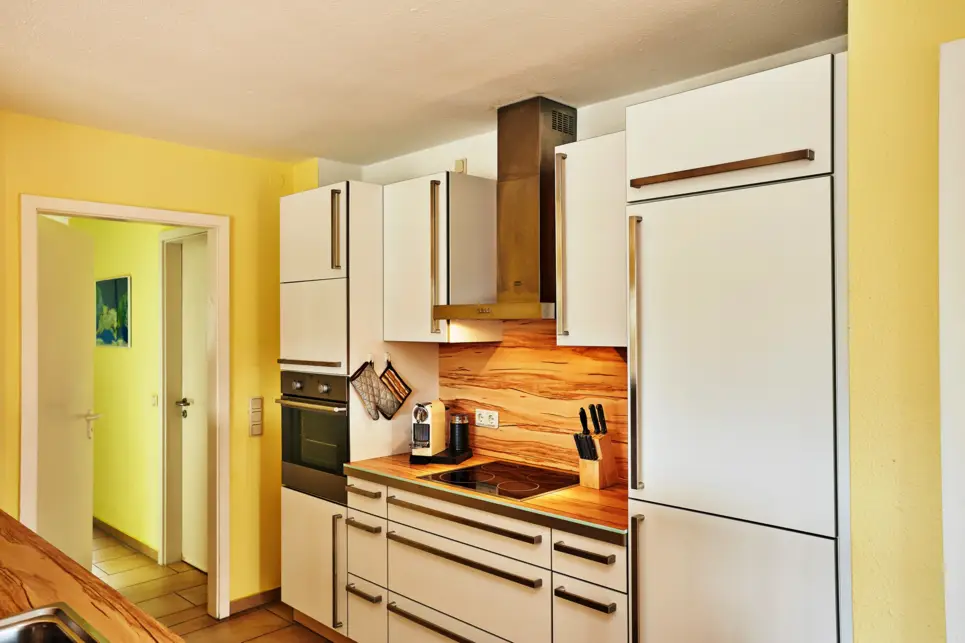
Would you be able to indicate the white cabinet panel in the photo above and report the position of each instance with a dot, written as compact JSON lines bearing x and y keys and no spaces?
{"x":772,"y":112}
{"x":314,"y":323}
{"x":312,"y":539}
{"x":590,"y":560}
{"x":310,"y":221}
{"x":410,"y":622}
{"x":584,"y":612}
{"x":366,"y":546}
{"x":366,"y":496}
{"x":736,"y":408}
{"x":704,"y":579}
{"x":367,"y":617}
{"x":591,"y":308}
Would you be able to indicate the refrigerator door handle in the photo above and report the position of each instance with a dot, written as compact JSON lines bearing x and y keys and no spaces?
{"x":633,"y":354}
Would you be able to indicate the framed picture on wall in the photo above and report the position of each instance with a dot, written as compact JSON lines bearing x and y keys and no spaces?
{"x":113,"y":312}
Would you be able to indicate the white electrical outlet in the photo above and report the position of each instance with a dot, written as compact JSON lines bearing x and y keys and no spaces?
{"x":487,"y":419}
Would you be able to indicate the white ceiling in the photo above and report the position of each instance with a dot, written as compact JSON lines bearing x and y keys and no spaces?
{"x":364,"y":80}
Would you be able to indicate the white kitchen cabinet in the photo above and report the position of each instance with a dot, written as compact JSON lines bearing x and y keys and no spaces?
{"x":591,"y":298}
{"x":366,"y":496}
{"x":584,"y":612}
{"x":439,"y":248}
{"x":314,"y":326}
{"x":768,"y":115}
{"x":366,"y":546}
{"x":367,"y":617}
{"x":313,"y":558}
{"x":733,"y":354}
{"x":705,"y":579}
{"x":313,"y":232}
{"x":410,"y":622}
{"x":590,"y":560}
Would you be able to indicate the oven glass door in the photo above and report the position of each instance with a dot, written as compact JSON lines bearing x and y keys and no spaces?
{"x":316,"y":438}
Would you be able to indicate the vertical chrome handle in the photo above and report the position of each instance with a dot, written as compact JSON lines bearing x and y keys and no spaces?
{"x":560,"y":245}
{"x":635,"y":522}
{"x":434,"y":249}
{"x":633,"y":355}
{"x":336,"y":207}
{"x":335,"y":622}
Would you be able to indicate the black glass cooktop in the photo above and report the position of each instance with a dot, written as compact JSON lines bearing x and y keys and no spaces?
{"x":507,"y":479}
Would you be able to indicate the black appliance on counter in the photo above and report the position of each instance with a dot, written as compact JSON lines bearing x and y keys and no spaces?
{"x":507,"y":479}
{"x":314,"y":433}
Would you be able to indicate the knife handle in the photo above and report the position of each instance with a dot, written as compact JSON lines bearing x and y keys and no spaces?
{"x":599,"y":412}
{"x":586,"y":429}
{"x":596,"y":422}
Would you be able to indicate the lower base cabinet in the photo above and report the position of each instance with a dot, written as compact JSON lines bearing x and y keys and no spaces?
{"x":367,"y":622}
{"x":584,"y":612}
{"x":411,"y":622}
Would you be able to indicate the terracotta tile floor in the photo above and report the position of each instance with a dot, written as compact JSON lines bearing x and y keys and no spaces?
{"x":176,"y":596}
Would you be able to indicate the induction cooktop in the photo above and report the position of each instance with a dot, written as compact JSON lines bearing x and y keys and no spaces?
{"x":506,"y":479}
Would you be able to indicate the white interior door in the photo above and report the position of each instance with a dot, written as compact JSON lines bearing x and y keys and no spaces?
{"x":65,"y":480}
{"x":194,"y":386}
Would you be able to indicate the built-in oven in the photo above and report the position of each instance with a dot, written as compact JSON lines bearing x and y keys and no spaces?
{"x":314,"y":429}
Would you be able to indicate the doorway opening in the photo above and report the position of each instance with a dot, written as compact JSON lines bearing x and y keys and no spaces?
{"x":188,"y":471}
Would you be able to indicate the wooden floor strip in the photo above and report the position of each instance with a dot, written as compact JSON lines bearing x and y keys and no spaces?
{"x":118,"y":565}
{"x":241,"y":628}
{"x":165,"y":605}
{"x":161,"y":586}
{"x":110,"y":553}
{"x":185,"y":615}
{"x":291,"y":634}
{"x":137,"y":576}
{"x":196,"y":595}
{"x":194,"y":625}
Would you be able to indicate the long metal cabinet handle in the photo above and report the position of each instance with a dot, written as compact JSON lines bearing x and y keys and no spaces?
{"x":336,"y":230}
{"x":603,"y":559}
{"x":635,"y":522}
{"x":561,"y":245}
{"x":335,"y":622}
{"x":308,"y":362}
{"x":418,"y":620}
{"x":310,"y":407}
{"x":720,"y":168}
{"x":492,"y":529}
{"x":352,"y":589}
{"x":633,"y":355}
{"x":434,"y":258}
{"x":352,"y":522}
{"x":534,"y":583}
{"x":606,"y":608}
{"x":374,"y":495}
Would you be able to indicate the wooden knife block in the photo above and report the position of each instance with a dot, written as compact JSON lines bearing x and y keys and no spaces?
{"x":602,"y":473}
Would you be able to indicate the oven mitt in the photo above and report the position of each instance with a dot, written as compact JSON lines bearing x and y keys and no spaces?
{"x":397,"y":391}
{"x":368,"y":386}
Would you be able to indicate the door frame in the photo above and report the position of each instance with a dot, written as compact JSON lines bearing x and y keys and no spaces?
{"x":219,"y":232}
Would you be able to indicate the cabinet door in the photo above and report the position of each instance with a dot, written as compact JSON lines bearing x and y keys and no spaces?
{"x":314,"y":323}
{"x":585,"y":612}
{"x":367,"y":616}
{"x":312,"y":545}
{"x":408,"y":246}
{"x":704,"y":579}
{"x":314,"y":226}
{"x":366,"y":546}
{"x":769,"y":114}
{"x":736,"y":408}
{"x":591,"y":306}
{"x":411,"y":622}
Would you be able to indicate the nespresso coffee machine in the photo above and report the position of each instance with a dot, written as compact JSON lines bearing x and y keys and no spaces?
{"x":428,"y":431}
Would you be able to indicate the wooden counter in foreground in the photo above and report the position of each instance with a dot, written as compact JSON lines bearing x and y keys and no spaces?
{"x":34,"y":573}
{"x":594,"y":513}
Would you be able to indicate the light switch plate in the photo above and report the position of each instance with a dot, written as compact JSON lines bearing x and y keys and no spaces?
{"x":487,"y":419}
{"x":255,"y":406}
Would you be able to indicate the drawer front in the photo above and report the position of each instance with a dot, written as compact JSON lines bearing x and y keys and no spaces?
{"x":506,"y":536}
{"x":366,"y":496}
{"x":367,"y":621}
{"x":314,"y":326}
{"x":772,"y":113}
{"x":366,"y":546}
{"x":583,"y":612}
{"x":590,"y":560}
{"x":410,"y":622}
{"x":499,"y":595}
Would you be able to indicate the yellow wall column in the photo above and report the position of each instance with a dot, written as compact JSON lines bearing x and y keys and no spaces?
{"x":895,"y":450}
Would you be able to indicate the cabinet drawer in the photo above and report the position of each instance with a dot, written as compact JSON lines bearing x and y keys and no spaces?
{"x":497,"y":594}
{"x":366,"y":546}
{"x":505,"y":536}
{"x":772,"y":113}
{"x":410,"y":622}
{"x":583,"y":612}
{"x":590,"y":560}
{"x":367,"y":622}
{"x":366,"y":496}
{"x":314,"y":325}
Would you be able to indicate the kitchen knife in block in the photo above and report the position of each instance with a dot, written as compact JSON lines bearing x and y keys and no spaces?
{"x":602,"y":472}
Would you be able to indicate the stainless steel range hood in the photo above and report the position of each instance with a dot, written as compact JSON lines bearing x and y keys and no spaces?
{"x":528,"y":133}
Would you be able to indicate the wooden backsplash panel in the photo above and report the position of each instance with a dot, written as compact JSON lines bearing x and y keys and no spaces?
{"x":538,"y":389}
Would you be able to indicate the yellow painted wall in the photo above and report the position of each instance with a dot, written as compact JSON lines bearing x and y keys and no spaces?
{"x":56,"y":159}
{"x":895,"y":450}
{"x":127,"y":445}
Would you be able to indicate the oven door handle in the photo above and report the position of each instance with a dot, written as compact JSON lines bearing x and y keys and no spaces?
{"x":310,"y":407}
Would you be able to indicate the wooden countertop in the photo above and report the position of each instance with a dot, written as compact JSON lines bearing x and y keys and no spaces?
{"x":604,"y":510}
{"x":34,"y":573}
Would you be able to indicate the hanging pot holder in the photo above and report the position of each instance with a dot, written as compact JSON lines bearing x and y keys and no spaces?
{"x":395,"y":387}
{"x":369,"y":388}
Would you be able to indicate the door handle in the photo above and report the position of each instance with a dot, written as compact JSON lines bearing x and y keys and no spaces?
{"x":560,"y":245}
{"x":635,"y":522}
{"x":336,"y":211}
{"x":90,"y":418}
{"x":633,"y":354}
{"x":183,"y":402}
{"x":434,"y":258}
{"x":336,"y":624}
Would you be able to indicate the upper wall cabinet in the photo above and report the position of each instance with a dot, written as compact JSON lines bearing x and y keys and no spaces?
{"x":313,"y":234}
{"x":439,"y":248}
{"x":770,"y":126}
{"x":591,"y":298}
